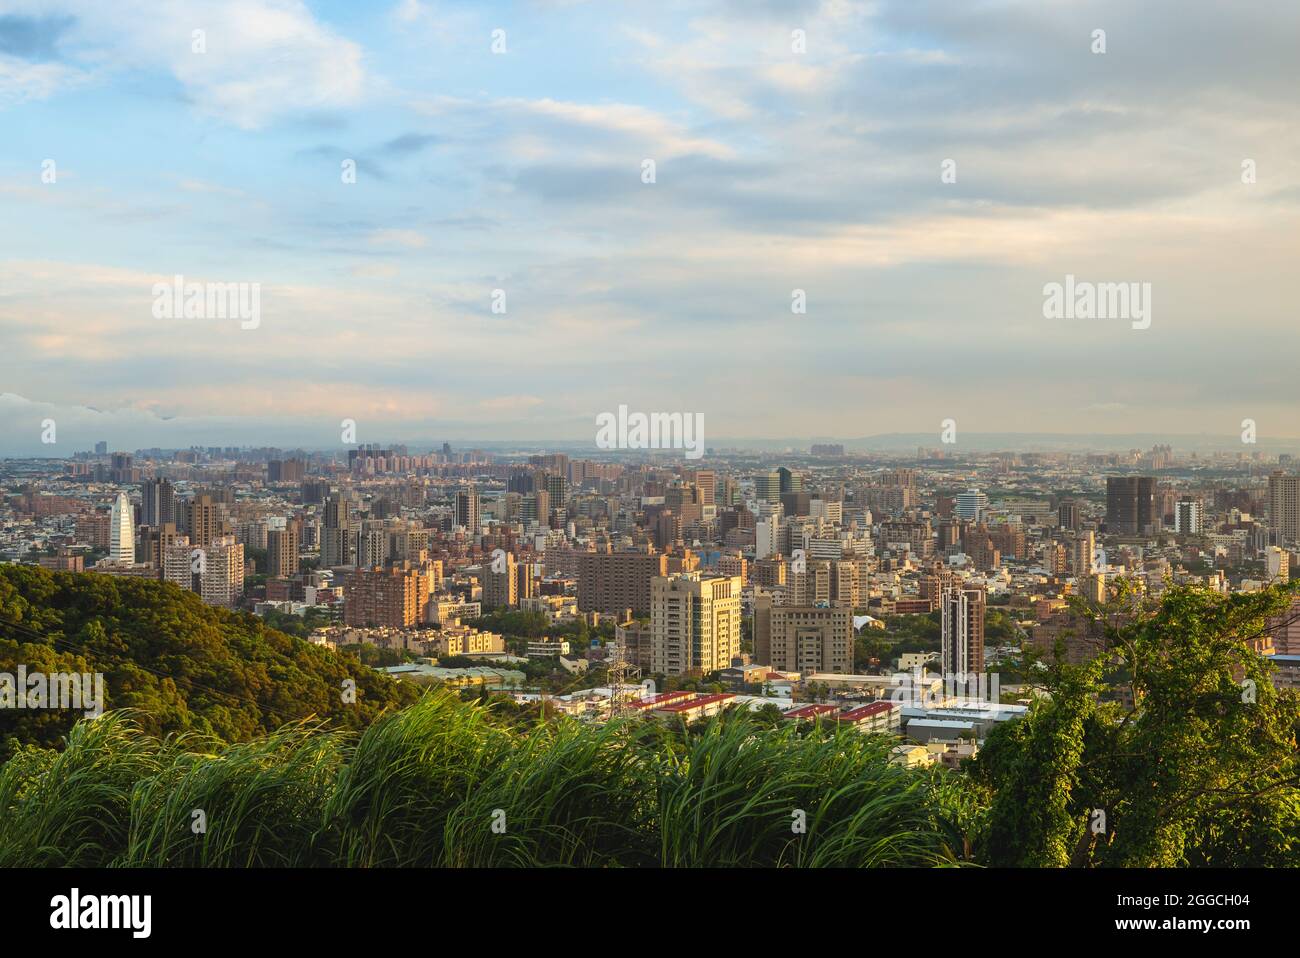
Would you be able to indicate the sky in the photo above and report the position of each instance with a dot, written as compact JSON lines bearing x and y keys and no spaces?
{"x":797,"y":145}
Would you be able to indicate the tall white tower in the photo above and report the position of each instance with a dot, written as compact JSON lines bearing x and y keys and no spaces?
{"x":121,"y":532}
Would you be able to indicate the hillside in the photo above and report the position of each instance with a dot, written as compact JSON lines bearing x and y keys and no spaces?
{"x":185,"y":666}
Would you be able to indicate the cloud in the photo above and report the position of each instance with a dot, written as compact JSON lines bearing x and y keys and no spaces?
{"x":776,"y":171}
{"x":407,"y":239}
{"x":32,"y":38}
{"x":247,"y":62}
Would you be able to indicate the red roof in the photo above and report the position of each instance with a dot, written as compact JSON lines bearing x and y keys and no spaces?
{"x":866,"y":711}
{"x":653,"y":701}
{"x":695,"y":703}
{"x":809,"y":711}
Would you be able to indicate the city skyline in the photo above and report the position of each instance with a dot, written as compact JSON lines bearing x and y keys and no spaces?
{"x":801,"y":153}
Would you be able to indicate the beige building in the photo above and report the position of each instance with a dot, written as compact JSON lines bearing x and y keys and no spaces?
{"x":803,"y":638}
{"x":500,"y":582}
{"x":694,"y":622}
{"x":215,"y":571}
{"x":1284,"y":506}
{"x":221,"y":579}
{"x":282,"y":551}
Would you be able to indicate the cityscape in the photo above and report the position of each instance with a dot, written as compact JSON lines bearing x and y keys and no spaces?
{"x":834,"y":434}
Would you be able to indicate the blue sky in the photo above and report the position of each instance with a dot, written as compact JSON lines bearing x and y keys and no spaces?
{"x":775,"y":170}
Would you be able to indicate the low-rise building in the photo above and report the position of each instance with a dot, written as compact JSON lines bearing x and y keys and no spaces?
{"x":874,"y":717}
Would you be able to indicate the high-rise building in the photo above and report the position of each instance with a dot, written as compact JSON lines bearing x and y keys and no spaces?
{"x":314,"y":491}
{"x":971,"y":505}
{"x":157,"y":502}
{"x":1069,"y":515}
{"x":467,"y":513}
{"x":961,"y":631}
{"x":617,"y":581}
{"x":1284,"y":507}
{"x":1131,"y":505}
{"x":557,"y":487}
{"x":500,"y":582}
{"x":206,"y":520}
{"x":536,"y":507}
{"x":397,"y":597}
{"x":706,"y":480}
{"x":285,"y":470}
{"x":178,"y":563}
{"x":767,"y":487}
{"x":222,"y":572}
{"x":121,"y":531}
{"x":337,"y":538}
{"x":372,"y":543}
{"x":694,"y":622}
{"x":282,"y":551}
{"x":803,"y":638}
{"x":789,"y":481}
{"x":154,"y":541}
{"x":1277,"y":564}
{"x":1187,"y":517}
{"x":1082,"y":553}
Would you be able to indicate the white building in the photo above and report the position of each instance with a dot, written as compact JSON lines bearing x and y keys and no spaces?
{"x":121,"y":531}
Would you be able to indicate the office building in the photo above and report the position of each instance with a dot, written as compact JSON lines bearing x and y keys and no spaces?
{"x":121,"y":531}
{"x":971,"y":505}
{"x":767,"y":487}
{"x":803,"y":638}
{"x":1131,"y":506}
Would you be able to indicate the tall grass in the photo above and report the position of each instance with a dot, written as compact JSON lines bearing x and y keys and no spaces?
{"x":72,"y":808}
{"x":255,"y":804}
{"x":566,"y":795}
{"x":744,"y":797}
{"x":408,"y":772}
{"x":440,"y":784}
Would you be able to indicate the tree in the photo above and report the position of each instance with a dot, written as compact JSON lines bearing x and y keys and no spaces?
{"x":1198,"y":766}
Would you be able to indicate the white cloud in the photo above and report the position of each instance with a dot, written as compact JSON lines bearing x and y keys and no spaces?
{"x":264,"y":58}
{"x":21,"y":80}
{"x":404,"y":239}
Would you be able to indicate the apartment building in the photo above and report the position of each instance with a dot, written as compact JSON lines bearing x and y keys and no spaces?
{"x":616,"y":581}
{"x":396,"y":596}
{"x":695,"y":623}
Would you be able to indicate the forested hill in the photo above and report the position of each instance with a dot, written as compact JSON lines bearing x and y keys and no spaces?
{"x":187,"y":666}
